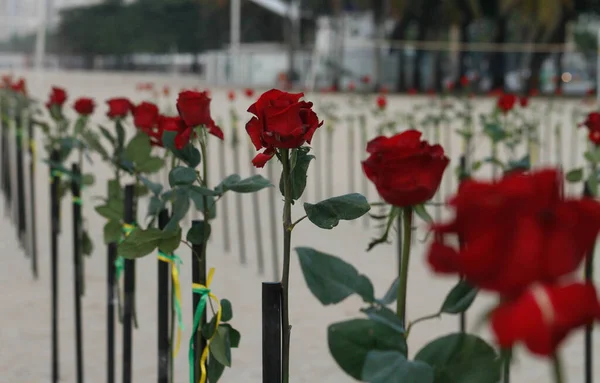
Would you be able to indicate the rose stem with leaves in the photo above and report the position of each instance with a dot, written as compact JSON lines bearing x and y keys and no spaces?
{"x":260,"y":256}
{"x":273,"y":221}
{"x":403,"y":271}
{"x":225,"y":203}
{"x":287,"y":240}
{"x":239,"y":206}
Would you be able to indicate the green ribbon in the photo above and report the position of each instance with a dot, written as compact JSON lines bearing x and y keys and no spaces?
{"x":176,"y":260}
{"x":77,"y":201}
{"x":120,"y":261}
{"x":203,"y":291}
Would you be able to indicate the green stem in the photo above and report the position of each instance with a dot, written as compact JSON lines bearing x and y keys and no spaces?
{"x":206,"y":215}
{"x":506,"y":358}
{"x":557,"y":369}
{"x":287,"y":239}
{"x":403,"y":272}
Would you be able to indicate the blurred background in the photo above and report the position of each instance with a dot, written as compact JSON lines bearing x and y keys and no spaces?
{"x":545,"y":46}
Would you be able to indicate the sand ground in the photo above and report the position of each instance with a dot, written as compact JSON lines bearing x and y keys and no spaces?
{"x":25,"y":303}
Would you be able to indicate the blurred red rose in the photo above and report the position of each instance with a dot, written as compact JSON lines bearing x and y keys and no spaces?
{"x":145,"y":116}
{"x":412,"y":91}
{"x":366,"y":79}
{"x":119,"y":107}
{"x":58,"y":96}
{"x":405,"y":170}
{"x":281,"y":121}
{"x":450,"y":86}
{"x":249,"y":92}
{"x":381,"y":102}
{"x":543,"y":316}
{"x":516,"y":231}
{"x":351,"y":86}
{"x":534,"y":93}
{"x":464,"y":81}
{"x":194,"y":109}
{"x":507,"y":102}
{"x":231,"y":95}
{"x":524,"y":101}
{"x":166,"y":90}
{"x":84,"y":106}
{"x":19,"y":86}
{"x":384,"y":89}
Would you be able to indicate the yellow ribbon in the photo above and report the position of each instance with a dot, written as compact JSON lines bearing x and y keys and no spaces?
{"x":175,"y":261}
{"x":206,"y":293}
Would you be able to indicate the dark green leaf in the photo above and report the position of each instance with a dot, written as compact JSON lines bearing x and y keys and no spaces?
{"x":196,"y":234}
{"x":114,"y":190}
{"x":350,"y":342}
{"x":198,"y":191}
{"x":330,"y":279}
{"x":328,"y":213}
{"x":392,"y":294}
{"x":87,"y":246}
{"x":182,"y":175}
{"x":495,"y":132}
{"x":227,"y":312}
{"x":138,"y":149}
{"x":93,"y":143}
{"x":459,"y":299}
{"x":522,"y":164}
{"x":112,"y":210}
{"x":234,"y":335}
{"x":120,"y":134}
{"x":189,"y":154}
{"x":87,"y":179}
{"x":154,"y":187}
{"x":151,"y":165}
{"x":220,"y":347}
{"x":461,"y":358}
{"x":140,"y":243}
{"x":422,"y":212}
{"x":214,"y":369}
{"x":181,"y":205}
{"x":170,"y":240}
{"x":209,"y":328}
{"x":249,"y":185}
{"x":140,"y":190}
{"x":155,"y":206}
{"x":199,"y":199}
{"x":575,"y":175}
{"x":300,"y":162}
{"x":393,"y":367}
{"x":384,"y":316}
{"x":112,"y":231}
{"x":107,"y":135}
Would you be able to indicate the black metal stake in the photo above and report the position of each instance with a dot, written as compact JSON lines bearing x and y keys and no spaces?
{"x":462,"y":176}
{"x":32,"y":199}
{"x":198,"y":276}
{"x":4,"y":166}
{"x":54,"y":231}
{"x":164,"y":308}
{"x":129,"y":292}
{"x":589,"y":329}
{"x":110,"y":312}
{"x":21,"y":216}
{"x":271,"y":331}
{"x":77,"y":253}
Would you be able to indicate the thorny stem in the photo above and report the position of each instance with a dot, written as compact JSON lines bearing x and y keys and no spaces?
{"x":403,"y":272}
{"x":287,"y":238}
{"x":206,"y":212}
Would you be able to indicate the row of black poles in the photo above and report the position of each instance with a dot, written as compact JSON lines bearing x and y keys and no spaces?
{"x":164,"y":308}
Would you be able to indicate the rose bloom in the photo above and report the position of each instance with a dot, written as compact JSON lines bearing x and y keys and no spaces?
{"x":351,"y":86}
{"x":145,"y":116}
{"x":231,"y":95}
{"x":450,"y":86}
{"x":524,"y":101}
{"x":166,"y":90}
{"x":534,"y":92}
{"x":381,"y":102}
{"x":164,"y":123}
{"x":405,"y":170}
{"x":194,"y":110}
{"x":544,"y":315}
{"x":19,"y":86}
{"x":516,"y":231}
{"x":366,"y":79}
{"x":412,"y":91}
{"x":58,"y":96}
{"x":84,"y":106}
{"x":249,"y":92}
{"x":119,"y":107}
{"x":280,"y":120}
{"x":384,"y":89}
{"x":464,"y":81}
{"x":507,"y":102}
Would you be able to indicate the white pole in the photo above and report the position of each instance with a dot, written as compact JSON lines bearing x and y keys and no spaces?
{"x":235,"y":41}
{"x":40,"y":41}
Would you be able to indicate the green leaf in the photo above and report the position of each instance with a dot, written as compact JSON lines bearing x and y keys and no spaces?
{"x":249,"y":185}
{"x":170,"y":241}
{"x":220,"y":347}
{"x":140,"y":243}
{"x":459,"y":299}
{"x":112,"y":231}
{"x":120,"y":134}
{"x":138,"y":149}
{"x":384,"y":316}
{"x":199,"y":199}
{"x":87,"y":245}
{"x":495,"y":132}
{"x":214,"y":369}
{"x":181,"y":175}
{"x":461,"y":358}
{"x":189,"y":154}
{"x":151,"y":165}
{"x":140,"y":190}
{"x":93,"y":143}
{"x":524,"y":163}
{"x":108,"y":135}
{"x":114,"y":190}
{"x":423,"y":213}
{"x":300,"y":162}
{"x":208,"y":329}
{"x":575,"y":175}
{"x":199,"y":191}
{"x":87,"y":179}
{"x":592,"y":183}
{"x":393,"y":367}
{"x":154,"y":187}
{"x":181,"y":205}
{"x":234,"y":335}
{"x":227,"y":312}
{"x":330,"y":279}
{"x":155,"y":206}
{"x":351,"y":341}
{"x":196,"y":235}
{"x":392,"y":294}
{"x":328,"y":213}
{"x":113,"y":210}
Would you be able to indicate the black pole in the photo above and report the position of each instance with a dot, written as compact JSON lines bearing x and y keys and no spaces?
{"x":54,"y":231}
{"x":77,"y":241}
{"x":462,"y":176}
{"x":32,"y":199}
{"x":110,"y":310}
{"x":129,"y":291}
{"x":4,"y":164}
{"x":164,"y":356}
{"x":198,"y":276}
{"x":21,"y":216}
{"x":7,"y":169}
{"x":271,"y":331}
{"x":589,"y":329}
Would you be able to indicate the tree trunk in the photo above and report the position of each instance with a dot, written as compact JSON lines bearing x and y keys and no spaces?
{"x":498,"y":58}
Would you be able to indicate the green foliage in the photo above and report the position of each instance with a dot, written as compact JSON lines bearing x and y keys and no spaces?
{"x":142,"y":242}
{"x":459,"y":299}
{"x":328,"y":213}
{"x":249,"y":185}
{"x":300,"y":160}
{"x":393,"y":367}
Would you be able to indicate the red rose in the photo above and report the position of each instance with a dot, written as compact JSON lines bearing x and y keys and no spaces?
{"x":559,"y":92}
{"x":507,"y":102}
{"x":58,"y":96}
{"x":384,"y":89}
{"x":249,"y":92}
{"x":594,"y":137}
{"x":592,"y":122}
{"x":166,"y":90}
{"x":194,"y":109}
{"x":7,"y":80}
{"x":524,"y":101}
{"x":163,"y":124}
{"x":450,"y":86}
{"x":19,"y":86}
{"x":516,"y":231}
{"x":464,"y":81}
{"x":119,"y":107}
{"x":590,"y":92}
{"x":498,"y":92}
{"x":412,"y":91}
{"x":381,"y":102}
{"x":84,"y":106}
{"x":405,"y":170}
{"x":534,"y":92}
{"x":544,"y":316}
{"x":365,"y":79}
{"x":231,"y":95}
{"x":351,"y":86}
{"x":281,"y":121}
{"x":145,"y":116}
